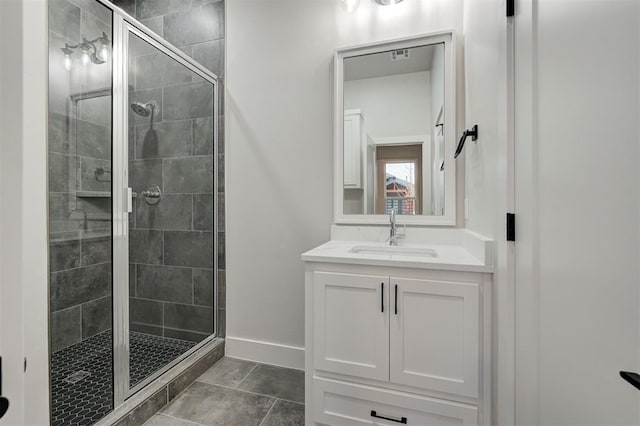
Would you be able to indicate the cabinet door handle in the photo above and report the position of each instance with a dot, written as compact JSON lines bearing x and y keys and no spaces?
{"x":382,"y":297}
{"x":396,"y":300}
{"x":402,"y":420}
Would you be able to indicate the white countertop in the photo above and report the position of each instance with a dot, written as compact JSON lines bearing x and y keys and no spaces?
{"x":450,"y":257}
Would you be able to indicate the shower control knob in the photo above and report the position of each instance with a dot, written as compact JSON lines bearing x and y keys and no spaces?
{"x":152,"y":195}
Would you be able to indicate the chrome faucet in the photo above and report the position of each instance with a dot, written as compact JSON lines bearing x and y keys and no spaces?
{"x":393,"y":239}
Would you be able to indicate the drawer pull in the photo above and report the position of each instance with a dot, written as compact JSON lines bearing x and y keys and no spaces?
{"x":402,"y":420}
{"x":382,"y":296}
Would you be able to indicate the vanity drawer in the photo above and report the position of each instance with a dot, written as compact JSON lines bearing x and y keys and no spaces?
{"x":343,"y":404}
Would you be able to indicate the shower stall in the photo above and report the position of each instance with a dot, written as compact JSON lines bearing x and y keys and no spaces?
{"x":132,"y":207}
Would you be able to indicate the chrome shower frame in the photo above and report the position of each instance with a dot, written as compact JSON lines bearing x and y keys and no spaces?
{"x":123,"y":26}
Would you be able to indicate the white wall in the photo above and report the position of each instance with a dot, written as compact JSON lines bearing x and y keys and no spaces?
{"x":578,"y":278}
{"x":485,"y":84}
{"x":279,"y":167}
{"x":23,"y":211}
{"x":394,"y":105}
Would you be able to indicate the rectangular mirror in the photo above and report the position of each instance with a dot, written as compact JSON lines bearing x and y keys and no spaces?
{"x":395,"y":131}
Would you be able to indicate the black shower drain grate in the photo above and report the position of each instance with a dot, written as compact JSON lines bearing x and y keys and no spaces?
{"x":77,"y":376}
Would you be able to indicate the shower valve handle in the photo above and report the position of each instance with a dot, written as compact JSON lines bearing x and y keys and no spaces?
{"x":152,"y":195}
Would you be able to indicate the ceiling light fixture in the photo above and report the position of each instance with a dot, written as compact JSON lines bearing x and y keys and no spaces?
{"x":350,"y":5}
{"x":386,"y":2}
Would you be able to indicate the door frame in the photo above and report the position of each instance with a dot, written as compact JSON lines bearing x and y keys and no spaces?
{"x":504,"y":313}
{"x":526,"y":260}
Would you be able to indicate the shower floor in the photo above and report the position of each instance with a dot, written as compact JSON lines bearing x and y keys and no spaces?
{"x":82,"y":374}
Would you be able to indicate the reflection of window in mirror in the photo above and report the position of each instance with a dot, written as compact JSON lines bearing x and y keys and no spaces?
{"x":400,"y":188}
{"x":399,"y":179}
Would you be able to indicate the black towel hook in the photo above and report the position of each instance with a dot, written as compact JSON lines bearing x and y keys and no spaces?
{"x":473,"y":132}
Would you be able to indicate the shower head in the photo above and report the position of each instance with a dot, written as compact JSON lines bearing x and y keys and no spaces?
{"x":143,"y":110}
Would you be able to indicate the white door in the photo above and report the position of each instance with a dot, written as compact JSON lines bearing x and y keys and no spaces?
{"x":11,"y":375}
{"x":11,"y":378}
{"x":435,"y":335}
{"x":23,"y":213}
{"x":577,"y":142}
{"x":351,"y":324}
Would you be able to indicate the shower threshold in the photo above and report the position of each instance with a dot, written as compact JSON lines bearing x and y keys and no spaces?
{"x":81,"y":374}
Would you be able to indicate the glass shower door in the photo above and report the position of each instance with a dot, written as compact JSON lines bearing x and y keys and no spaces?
{"x":80,"y":211}
{"x":131,"y":207}
{"x":171,"y":250}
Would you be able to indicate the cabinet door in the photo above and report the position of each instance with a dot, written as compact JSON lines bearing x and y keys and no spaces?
{"x":352,"y":151}
{"x":351,"y":324}
{"x":435,"y":334}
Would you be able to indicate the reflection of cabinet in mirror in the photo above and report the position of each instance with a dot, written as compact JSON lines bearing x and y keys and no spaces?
{"x":354,"y":140}
{"x":359,"y":164}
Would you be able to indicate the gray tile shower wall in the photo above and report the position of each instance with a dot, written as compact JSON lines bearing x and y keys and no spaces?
{"x":80,"y":165}
{"x":171,"y":249}
{"x":79,"y":145}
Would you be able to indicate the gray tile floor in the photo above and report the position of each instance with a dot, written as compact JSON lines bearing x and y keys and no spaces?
{"x":238,"y":393}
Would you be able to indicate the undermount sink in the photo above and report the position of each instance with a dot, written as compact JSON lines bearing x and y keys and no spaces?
{"x":394,"y":250}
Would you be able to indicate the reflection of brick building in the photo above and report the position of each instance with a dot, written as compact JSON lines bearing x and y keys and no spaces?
{"x":400,"y":195}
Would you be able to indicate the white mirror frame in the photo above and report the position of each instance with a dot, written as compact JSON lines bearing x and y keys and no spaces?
{"x":449,"y":217}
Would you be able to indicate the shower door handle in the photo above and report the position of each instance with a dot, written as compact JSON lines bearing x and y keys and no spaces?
{"x":129,"y":200}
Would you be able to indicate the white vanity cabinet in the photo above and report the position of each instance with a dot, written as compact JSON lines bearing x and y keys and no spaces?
{"x":389,"y":345}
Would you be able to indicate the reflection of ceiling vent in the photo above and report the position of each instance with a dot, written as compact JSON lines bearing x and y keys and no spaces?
{"x":400,"y":54}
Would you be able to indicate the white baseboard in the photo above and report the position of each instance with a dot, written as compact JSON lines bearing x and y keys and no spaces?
{"x":265,"y":352}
